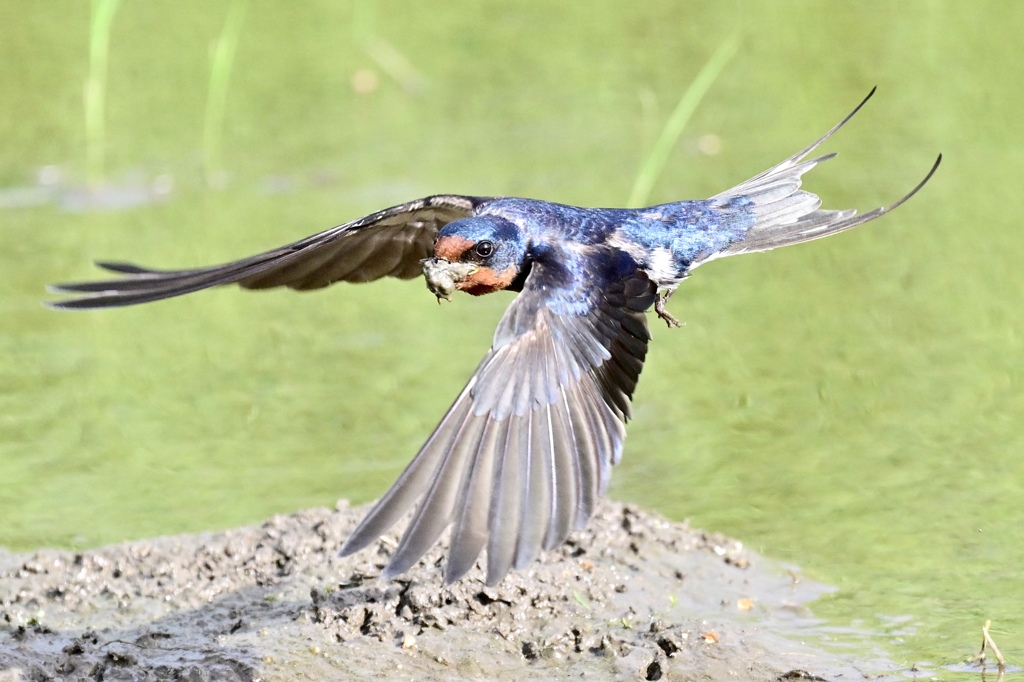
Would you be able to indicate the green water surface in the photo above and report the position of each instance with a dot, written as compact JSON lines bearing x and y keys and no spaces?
{"x":852,"y":405}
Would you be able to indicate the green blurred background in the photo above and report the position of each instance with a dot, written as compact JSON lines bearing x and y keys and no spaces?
{"x":853,"y":405}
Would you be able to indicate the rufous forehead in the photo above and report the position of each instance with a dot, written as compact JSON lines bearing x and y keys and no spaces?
{"x":451,"y":247}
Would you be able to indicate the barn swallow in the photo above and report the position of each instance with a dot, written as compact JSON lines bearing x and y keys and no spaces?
{"x":525,"y":451}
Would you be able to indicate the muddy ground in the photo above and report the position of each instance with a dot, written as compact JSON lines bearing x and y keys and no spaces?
{"x":632,"y":597}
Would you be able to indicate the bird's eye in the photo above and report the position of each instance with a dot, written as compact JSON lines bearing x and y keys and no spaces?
{"x":484,"y":249}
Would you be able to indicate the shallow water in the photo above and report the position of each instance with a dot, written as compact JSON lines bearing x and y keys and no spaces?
{"x":851,"y":405}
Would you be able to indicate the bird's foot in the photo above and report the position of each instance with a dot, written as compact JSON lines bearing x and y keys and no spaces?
{"x":659,"y":307}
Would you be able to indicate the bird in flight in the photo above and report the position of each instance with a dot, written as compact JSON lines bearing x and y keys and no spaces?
{"x":525,"y":451}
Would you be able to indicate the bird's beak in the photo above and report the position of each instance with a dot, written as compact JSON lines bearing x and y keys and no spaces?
{"x":443,"y":276}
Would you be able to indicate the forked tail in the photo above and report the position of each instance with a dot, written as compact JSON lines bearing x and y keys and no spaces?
{"x":786,"y":214}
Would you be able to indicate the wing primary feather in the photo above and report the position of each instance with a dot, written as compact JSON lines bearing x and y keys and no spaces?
{"x":588,"y":452}
{"x":616,"y":382}
{"x":470,"y":534}
{"x":566,"y":474}
{"x":599,"y":413}
{"x":413,"y":481}
{"x":537,"y":504}
{"x":504,"y":512}
{"x":437,"y":509}
{"x":130,"y":268}
{"x":378,"y":264}
{"x":300,"y":271}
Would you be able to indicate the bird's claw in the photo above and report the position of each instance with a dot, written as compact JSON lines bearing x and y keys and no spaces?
{"x":659,"y":307}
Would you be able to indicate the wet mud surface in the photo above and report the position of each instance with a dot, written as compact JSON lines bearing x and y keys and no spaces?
{"x":632,"y":597}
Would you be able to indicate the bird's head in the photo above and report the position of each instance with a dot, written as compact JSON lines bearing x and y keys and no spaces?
{"x":477,"y":255}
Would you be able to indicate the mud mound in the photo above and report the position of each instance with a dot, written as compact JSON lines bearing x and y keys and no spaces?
{"x":631,"y":597}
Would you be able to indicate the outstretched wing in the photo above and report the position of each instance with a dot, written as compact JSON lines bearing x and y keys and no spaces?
{"x":388,"y":243}
{"x":783,"y":213}
{"x":523,"y":454}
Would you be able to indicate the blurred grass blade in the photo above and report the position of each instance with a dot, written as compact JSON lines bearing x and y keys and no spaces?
{"x":101,"y":17}
{"x":676,"y":123}
{"x":388,"y":58}
{"x":216,"y":99}
{"x":395,"y":64}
